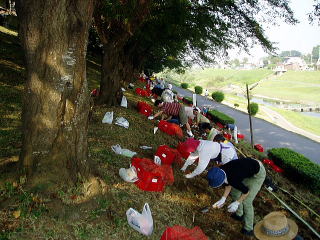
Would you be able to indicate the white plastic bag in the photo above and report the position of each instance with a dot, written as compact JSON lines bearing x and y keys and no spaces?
{"x":142,"y":222}
{"x":128,"y":153}
{"x":108,"y":118}
{"x":122,"y":151}
{"x":117,"y":149}
{"x":124,"y":102}
{"x":157,"y":160}
{"x":122,"y":122}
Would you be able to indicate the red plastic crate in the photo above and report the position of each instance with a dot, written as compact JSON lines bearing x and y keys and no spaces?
{"x":166,"y":154}
{"x":144,"y":108}
{"x":149,"y":178}
{"x":240,"y":136}
{"x":179,"y":232}
{"x":165,"y":127}
{"x":259,"y":147}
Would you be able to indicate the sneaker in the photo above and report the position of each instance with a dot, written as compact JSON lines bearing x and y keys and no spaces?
{"x":236,"y":217}
{"x":247,"y":232}
{"x":189,"y":133}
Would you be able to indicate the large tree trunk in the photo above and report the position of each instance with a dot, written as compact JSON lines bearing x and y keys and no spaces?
{"x":111,"y":76}
{"x":114,"y":33}
{"x":56,"y":103}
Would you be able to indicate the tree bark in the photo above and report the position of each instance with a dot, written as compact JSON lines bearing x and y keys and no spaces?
{"x":111,"y":76}
{"x":54,"y":36}
{"x":114,"y":34}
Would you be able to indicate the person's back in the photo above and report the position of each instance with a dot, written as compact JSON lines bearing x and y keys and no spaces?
{"x":167,"y":95}
{"x":228,"y":153}
{"x":189,"y":112}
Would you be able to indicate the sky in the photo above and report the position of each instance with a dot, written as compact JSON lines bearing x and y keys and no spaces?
{"x":301,"y":37}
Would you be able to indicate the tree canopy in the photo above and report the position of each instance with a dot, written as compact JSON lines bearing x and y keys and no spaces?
{"x":152,"y":35}
{"x":178,"y":32}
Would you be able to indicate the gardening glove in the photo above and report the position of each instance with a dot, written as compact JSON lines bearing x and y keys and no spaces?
{"x":233,"y":206}
{"x":220,"y":203}
{"x":151,"y":117}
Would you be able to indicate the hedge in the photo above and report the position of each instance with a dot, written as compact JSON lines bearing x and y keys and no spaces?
{"x":198,"y":89}
{"x":217,"y":116}
{"x":217,"y":96}
{"x":184,"y":85}
{"x":187,"y":100}
{"x":297,"y":167}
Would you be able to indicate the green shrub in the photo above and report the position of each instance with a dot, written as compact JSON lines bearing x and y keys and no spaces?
{"x":187,"y":100}
{"x":236,"y":105}
{"x":184,"y":85}
{"x":174,"y":91}
{"x":297,"y":167}
{"x":254,"y":108}
{"x":198,"y":89}
{"x":218,"y":96}
{"x":217,"y":116}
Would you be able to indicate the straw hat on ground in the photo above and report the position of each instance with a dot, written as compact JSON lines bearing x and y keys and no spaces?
{"x":276,"y":226}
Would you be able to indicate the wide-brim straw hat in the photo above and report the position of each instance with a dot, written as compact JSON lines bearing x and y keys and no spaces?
{"x":276,"y":226}
{"x":129,"y":174}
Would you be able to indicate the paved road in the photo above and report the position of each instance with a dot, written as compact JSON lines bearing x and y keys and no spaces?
{"x":264,"y":133}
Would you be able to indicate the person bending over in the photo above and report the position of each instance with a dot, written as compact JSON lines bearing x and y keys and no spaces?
{"x":208,"y":129}
{"x":199,"y":118}
{"x":243,"y":178}
{"x":174,"y":110}
{"x":207,"y":151}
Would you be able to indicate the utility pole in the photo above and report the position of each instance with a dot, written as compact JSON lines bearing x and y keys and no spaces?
{"x":249,"y":112}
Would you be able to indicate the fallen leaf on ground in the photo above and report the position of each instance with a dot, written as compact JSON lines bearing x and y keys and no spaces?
{"x":16,"y":213}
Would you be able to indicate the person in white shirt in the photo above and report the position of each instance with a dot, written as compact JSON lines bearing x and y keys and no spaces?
{"x":206,"y":93}
{"x":167,"y":95}
{"x":233,"y":129}
{"x":206,"y":151}
{"x":226,"y":155}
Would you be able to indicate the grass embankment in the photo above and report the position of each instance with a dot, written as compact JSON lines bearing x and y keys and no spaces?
{"x":27,"y":214}
{"x":295,"y":86}
{"x":308,"y":123}
{"x":213,"y":79}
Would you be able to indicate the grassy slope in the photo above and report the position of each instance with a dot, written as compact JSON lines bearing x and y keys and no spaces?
{"x":307,"y":123}
{"x":288,"y":86}
{"x":296,"y":86}
{"x":26,"y":214}
{"x":216,"y":78}
{"x":300,"y":120}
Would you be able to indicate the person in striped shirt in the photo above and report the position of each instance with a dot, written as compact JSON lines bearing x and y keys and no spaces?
{"x":173,"y":110}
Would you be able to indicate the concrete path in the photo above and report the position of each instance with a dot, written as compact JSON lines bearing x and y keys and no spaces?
{"x":265,"y":133}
